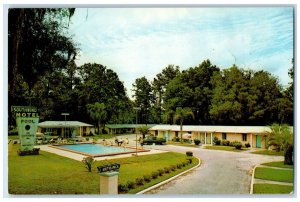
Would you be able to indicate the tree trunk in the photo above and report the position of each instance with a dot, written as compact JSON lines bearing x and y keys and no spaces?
{"x":288,"y":155}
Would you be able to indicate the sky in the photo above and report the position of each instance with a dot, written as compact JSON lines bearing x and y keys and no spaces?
{"x":137,"y":42}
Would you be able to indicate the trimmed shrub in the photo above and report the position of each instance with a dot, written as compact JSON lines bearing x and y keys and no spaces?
{"x":130,"y":185}
{"x":183,"y":164}
{"x":167,"y":170}
{"x":147,"y":178}
{"x":123,"y":188}
{"x":189,"y":153}
{"x":247,"y":145}
{"x":173,"y":167}
{"x":189,"y":160}
{"x":139,"y":181}
{"x":197,"y":142}
{"x":179,"y":165}
{"x":161,"y":172}
{"x":237,"y":145}
{"x":216,"y":141}
{"x":225,"y":142}
{"x":154,"y":175}
{"x":176,"y":139}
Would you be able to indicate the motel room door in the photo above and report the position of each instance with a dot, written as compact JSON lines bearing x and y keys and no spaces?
{"x":169,"y":135}
{"x":164,"y":134}
{"x":258,"y":141}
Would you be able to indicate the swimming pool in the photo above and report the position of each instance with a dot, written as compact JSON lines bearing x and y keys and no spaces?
{"x":97,"y":150}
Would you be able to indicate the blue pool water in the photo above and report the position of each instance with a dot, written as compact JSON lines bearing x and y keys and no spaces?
{"x":96,"y":149}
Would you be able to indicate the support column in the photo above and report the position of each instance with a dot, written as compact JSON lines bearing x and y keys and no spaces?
{"x":251,"y":139}
{"x":211,"y":139}
{"x":205,"y":138}
{"x":109,"y":183}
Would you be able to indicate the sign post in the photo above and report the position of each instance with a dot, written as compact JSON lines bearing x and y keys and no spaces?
{"x":109,"y":178}
{"x":27,"y":119}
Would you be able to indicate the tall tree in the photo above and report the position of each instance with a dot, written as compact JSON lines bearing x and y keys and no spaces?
{"x":98,"y":112}
{"x":180,"y":115}
{"x":143,"y":96}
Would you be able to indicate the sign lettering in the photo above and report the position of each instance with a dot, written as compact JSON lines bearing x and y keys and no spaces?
{"x":108,"y":168}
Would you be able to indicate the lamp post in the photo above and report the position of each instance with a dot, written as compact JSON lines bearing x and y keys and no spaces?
{"x":65,"y":114}
{"x":136,"y":121}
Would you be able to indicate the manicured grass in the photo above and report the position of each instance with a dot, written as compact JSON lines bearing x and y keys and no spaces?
{"x":183,"y":144}
{"x":268,"y":152}
{"x":225,"y":148}
{"x":52,"y":174}
{"x":279,"y":164}
{"x":272,"y":189}
{"x":274,"y":174}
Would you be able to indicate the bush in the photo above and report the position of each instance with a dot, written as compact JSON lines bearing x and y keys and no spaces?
{"x":225,"y":142}
{"x":87,"y":138}
{"x":183,"y":164}
{"x":216,"y":141}
{"x":154,"y":175}
{"x":147,"y":178}
{"x":139,"y":181}
{"x":179,"y":165}
{"x":189,"y":153}
{"x":176,"y":139}
{"x":34,"y":151}
{"x":197,"y":142}
{"x":130,"y":185}
{"x":123,"y":188}
{"x":189,"y":160}
{"x":167,"y":170}
{"x":88,"y":161}
{"x":247,"y":145}
{"x":237,"y":145}
{"x":173,"y":167}
{"x":161,"y":172}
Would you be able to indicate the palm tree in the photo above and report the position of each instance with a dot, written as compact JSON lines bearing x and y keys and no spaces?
{"x":181,"y":114}
{"x":143,"y":130}
{"x":97,"y":112}
{"x":281,"y":136}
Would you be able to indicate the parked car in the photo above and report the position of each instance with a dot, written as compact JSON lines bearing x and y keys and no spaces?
{"x":155,"y":140}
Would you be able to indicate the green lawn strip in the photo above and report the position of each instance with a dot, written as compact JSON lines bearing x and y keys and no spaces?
{"x":183,"y":144}
{"x":268,"y":152}
{"x":271,"y":189}
{"x":279,"y":164}
{"x":274,"y":174}
{"x":48,"y":173}
{"x":225,"y":148}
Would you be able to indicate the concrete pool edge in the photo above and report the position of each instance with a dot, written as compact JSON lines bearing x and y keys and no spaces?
{"x":137,"y":150}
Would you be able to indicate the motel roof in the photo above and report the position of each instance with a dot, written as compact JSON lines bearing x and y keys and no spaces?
{"x":214,"y":129}
{"x":121,"y":126}
{"x":60,"y":124}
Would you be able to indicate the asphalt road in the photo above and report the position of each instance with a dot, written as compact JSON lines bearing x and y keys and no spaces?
{"x":220,"y":173}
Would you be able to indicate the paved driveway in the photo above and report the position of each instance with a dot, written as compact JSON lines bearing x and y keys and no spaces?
{"x":221,"y":172}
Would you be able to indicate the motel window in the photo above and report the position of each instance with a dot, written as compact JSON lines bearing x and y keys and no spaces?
{"x":224,"y":136}
{"x":244,"y":137}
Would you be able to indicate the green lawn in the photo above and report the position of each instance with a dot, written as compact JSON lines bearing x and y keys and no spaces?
{"x":185,"y":144}
{"x":52,"y":174}
{"x":279,"y":164}
{"x":268,"y":152}
{"x":274,"y":174}
{"x":272,"y":189}
{"x":224,"y":148}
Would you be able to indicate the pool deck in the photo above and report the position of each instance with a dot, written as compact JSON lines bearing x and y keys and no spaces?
{"x":79,"y":157}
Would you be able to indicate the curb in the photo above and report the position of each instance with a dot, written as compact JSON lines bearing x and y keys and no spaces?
{"x":252,"y":179}
{"x":170,"y":179}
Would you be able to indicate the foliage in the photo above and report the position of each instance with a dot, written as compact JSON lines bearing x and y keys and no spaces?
{"x":88,"y":162}
{"x":34,"y":151}
{"x":154,"y":174}
{"x":155,"y":140}
{"x":139,"y":181}
{"x":181,"y":114}
{"x":247,"y":145}
{"x":282,"y":137}
{"x":123,"y":188}
{"x":237,"y":144}
{"x":197,"y":142}
{"x":98,"y":112}
{"x":143,"y":130}
{"x":216,"y":141}
{"x":189,"y":153}
{"x":167,"y":170}
{"x":147,"y":178}
{"x":161,"y":172}
{"x":225,"y":142}
{"x":131,"y":185}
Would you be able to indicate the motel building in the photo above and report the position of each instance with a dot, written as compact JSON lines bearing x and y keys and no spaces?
{"x":65,"y":129}
{"x":256,"y":136}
